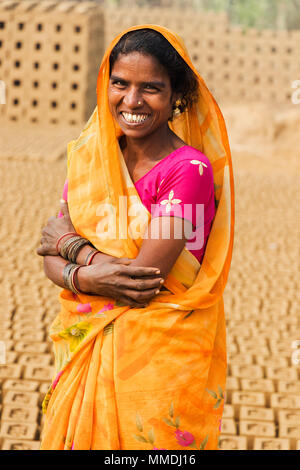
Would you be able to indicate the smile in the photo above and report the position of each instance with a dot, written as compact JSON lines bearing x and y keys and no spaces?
{"x":134,"y":118}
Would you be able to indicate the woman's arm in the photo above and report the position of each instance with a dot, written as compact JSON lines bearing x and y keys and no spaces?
{"x":160,"y":251}
{"x":134,"y":286}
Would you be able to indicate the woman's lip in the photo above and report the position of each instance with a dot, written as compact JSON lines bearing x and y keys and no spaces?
{"x":135,"y":124}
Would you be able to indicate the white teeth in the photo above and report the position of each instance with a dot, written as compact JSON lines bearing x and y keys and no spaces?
{"x":134,"y":117}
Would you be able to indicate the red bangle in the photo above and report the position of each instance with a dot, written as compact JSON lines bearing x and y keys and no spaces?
{"x":77,"y":291}
{"x":90,"y":260}
{"x":64,"y":235}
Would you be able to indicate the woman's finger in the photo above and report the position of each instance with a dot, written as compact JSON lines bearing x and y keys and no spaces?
{"x":64,"y":207}
{"x":140,"y":271}
{"x":141,"y":284}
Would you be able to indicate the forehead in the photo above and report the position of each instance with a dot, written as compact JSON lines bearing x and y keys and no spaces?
{"x":140,"y":67}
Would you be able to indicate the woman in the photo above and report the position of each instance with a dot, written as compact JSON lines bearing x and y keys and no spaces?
{"x":138,"y":365}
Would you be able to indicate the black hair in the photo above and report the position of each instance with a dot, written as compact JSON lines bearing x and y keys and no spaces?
{"x":151,"y":42}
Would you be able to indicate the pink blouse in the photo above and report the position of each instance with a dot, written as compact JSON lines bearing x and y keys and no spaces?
{"x":180,"y":185}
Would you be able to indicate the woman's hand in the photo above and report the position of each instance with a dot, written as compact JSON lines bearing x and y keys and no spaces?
{"x":54,"y":229}
{"x":131,"y":285}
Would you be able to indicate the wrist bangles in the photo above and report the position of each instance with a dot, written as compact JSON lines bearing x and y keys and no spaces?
{"x":69,"y":251}
{"x":69,"y":273}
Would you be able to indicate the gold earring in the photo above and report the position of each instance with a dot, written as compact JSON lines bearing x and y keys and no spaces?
{"x":176,"y":109}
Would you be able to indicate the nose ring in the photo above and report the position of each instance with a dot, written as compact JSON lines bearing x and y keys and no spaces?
{"x":139,"y":102}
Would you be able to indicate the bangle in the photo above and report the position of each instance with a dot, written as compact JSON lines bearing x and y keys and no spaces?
{"x":75,"y":248}
{"x":64,"y":235}
{"x":90,"y":256}
{"x":74,"y":272}
{"x":64,"y":249}
{"x":68,"y":276}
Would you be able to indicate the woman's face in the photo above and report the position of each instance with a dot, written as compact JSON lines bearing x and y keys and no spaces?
{"x":140,"y":94}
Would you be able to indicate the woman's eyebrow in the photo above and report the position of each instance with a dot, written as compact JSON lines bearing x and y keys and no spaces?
{"x":154,"y":83}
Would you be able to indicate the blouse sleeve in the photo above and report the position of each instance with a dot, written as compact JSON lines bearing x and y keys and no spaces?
{"x":64,"y":196}
{"x":185,"y":191}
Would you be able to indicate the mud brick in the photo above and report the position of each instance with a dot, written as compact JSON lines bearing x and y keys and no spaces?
{"x":232,"y":383}
{"x":228,"y":426}
{"x":256,"y":429}
{"x":248,"y":398}
{"x":25,"y":324}
{"x":280,"y":346}
{"x":272,"y":361}
{"x":5,"y":335}
{"x":251,"y":371}
{"x":288,"y":417}
{"x":282,"y":373}
{"x":291,"y":432}
{"x":20,"y":385}
{"x":11,"y":357}
{"x":255,"y":350}
{"x":240,"y":359}
{"x":228,"y":411}
{"x":21,"y":398}
{"x":262,"y":443}
{"x":9,"y":344}
{"x":281,"y":401}
{"x":288,"y":387}
{"x":33,"y":336}
{"x":232,"y":442}
{"x":248,"y":413}
{"x":20,"y":414}
{"x":18,"y":444}
{"x":11,"y":371}
{"x":4,"y":324}
{"x":43,"y":388}
{"x":258,"y":385}
{"x":42,"y":373}
{"x":35,"y":359}
{"x":16,"y":430}
{"x":35,"y":348}
{"x":232,"y":348}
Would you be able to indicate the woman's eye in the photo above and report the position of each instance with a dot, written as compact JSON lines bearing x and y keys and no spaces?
{"x":118,"y":83}
{"x":150,"y":88}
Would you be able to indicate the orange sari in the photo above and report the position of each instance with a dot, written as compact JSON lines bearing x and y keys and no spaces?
{"x":150,"y":378}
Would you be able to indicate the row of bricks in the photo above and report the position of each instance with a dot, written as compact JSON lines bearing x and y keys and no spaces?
{"x":258,"y":413}
{"x":232,"y":442}
{"x":31,"y":413}
{"x":277,"y":401}
{"x":16,"y":371}
{"x":249,"y":429}
{"x":267,"y":386}
{"x":261,"y":429}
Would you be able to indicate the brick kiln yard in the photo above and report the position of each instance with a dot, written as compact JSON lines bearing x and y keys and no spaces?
{"x":262,"y":408}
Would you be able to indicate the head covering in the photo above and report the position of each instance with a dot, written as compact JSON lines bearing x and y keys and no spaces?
{"x":125,"y":373}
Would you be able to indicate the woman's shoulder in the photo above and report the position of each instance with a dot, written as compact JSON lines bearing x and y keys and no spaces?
{"x":189,"y":158}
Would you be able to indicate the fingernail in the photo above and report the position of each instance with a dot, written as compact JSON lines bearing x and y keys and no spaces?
{"x":162,"y":281}
{"x":158,"y":271}
{"x":157,"y":292}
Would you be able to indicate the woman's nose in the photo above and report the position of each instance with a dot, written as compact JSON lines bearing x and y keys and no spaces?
{"x":132,"y":98}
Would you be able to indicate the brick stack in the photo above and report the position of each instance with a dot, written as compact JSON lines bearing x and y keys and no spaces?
{"x":50,"y":55}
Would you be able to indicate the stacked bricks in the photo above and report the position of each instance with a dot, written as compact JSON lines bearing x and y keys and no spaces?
{"x":50,"y":55}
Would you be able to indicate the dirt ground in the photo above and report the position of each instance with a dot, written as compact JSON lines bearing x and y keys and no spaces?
{"x":262,"y":297}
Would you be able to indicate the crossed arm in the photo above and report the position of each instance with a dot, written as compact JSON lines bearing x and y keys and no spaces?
{"x":132,"y":281}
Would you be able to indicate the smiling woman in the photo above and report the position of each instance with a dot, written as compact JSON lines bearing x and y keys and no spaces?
{"x":138,"y":365}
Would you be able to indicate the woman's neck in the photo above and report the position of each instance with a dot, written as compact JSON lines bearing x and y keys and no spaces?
{"x":150,"y":148}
